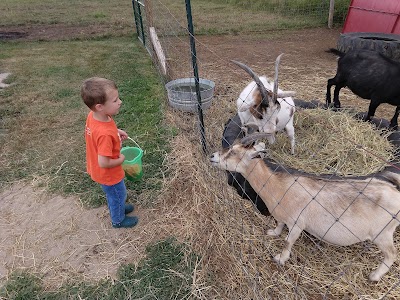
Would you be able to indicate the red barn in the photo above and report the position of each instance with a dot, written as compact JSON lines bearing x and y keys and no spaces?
{"x":373,"y":25}
{"x":373,"y":16}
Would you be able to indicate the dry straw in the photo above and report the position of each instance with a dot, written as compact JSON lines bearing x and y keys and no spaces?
{"x":236,"y":254}
{"x":329,"y":142}
{"x":229,"y":234}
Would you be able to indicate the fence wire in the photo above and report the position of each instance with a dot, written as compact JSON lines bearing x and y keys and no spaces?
{"x":245,"y":269}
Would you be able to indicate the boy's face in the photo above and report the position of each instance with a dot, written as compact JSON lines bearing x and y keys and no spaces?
{"x":113,"y":103}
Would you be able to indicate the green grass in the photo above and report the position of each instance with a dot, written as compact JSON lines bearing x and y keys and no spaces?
{"x":165,"y":273}
{"x":214,"y":17}
{"x":209,"y":16}
{"x":258,"y":15}
{"x":73,"y":12}
{"x":45,"y":116}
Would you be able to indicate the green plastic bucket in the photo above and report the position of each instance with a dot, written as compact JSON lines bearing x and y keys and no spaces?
{"x":132,"y":164}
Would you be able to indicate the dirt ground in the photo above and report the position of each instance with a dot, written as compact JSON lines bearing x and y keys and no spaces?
{"x":57,"y":237}
{"x":57,"y":32}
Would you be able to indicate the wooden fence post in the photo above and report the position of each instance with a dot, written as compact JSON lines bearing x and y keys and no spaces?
{"x":331,"y":12}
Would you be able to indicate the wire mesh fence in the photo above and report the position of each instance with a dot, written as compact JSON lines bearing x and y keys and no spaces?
{"x":347,"y":206}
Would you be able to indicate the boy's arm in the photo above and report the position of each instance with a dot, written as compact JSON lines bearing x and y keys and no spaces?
{"x":107,"y":162}
{"x":122,"y":134}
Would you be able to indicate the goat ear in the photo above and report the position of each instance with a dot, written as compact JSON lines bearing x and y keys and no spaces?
{"x":259,"y":151}
{"x":258,"y":154}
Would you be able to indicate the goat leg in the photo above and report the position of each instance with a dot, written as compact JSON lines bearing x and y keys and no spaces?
{"x":336,"y":102}
{"x":290,"y":132}
{"x":372,"y":108}
{"x":294,"y":234}
{"x":277,"y":231}
{"x":385,"y":243}
{"x":328,"y":92}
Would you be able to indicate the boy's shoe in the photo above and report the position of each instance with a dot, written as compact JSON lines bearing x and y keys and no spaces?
{"x":129,"y":208}
{"x":126,"y":223}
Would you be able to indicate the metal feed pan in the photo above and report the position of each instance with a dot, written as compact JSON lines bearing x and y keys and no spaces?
{"x":182,"y":93}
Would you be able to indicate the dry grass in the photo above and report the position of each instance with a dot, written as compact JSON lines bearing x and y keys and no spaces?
{"x":329,"y":142}
{"x":230,"y":236}
{"x":228,"y":232}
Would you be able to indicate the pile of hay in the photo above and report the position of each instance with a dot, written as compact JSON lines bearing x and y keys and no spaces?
{"x":230,"y":236}
{"x":235,"y":252}
{"x":329,"y":142}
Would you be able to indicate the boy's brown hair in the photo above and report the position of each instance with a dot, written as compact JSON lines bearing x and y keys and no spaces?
{"x":93,"y":90}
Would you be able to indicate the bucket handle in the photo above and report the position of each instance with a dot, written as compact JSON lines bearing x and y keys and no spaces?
{"x":135,"y":143}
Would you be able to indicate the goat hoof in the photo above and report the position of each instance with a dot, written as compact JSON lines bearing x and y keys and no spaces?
{"x":374,"y":276}
{"x":278,"y":260}
{"x":271,"y":232}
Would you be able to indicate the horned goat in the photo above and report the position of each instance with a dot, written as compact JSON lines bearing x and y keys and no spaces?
{"x":263,"y":105}
{"x":340,"y":212}
{"x":369,"y":75}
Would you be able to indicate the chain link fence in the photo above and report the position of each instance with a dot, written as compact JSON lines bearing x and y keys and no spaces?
{"x":233,"y":235}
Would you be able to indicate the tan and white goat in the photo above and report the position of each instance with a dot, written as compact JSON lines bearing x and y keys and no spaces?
{"x":263,"y":105}
{"x":340,"y":212}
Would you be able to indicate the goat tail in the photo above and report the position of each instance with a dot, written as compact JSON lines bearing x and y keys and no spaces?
{"x":335,"y":51}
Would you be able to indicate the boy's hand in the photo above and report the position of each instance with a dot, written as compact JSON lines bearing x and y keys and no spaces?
{"x":108,"y":162}
{"x":122,"y":134}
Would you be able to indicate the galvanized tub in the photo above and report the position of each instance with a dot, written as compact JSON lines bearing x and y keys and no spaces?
{"x":182,"y":93}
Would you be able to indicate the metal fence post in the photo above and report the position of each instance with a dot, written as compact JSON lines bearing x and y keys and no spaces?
{"x":141,"y":22}
{"x":135,"y":16}
{"x":196,"y":74}
{"x":137,"y":13}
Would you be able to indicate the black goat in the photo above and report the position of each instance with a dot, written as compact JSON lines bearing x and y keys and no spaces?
{"x":232,"y":132}
{"x":369,"y":75}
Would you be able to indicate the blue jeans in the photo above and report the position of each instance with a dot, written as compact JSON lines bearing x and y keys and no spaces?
{"x":116,"y":197}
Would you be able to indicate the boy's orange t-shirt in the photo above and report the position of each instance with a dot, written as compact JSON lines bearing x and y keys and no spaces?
{"x":102,"y":138}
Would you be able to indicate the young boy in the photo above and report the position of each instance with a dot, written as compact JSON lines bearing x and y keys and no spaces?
{"x":103,"y":145}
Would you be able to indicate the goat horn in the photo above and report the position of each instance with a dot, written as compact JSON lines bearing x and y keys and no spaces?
{"x":254,"y":137}
{"x":277,"y":61}
{"x":255,"y":77}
